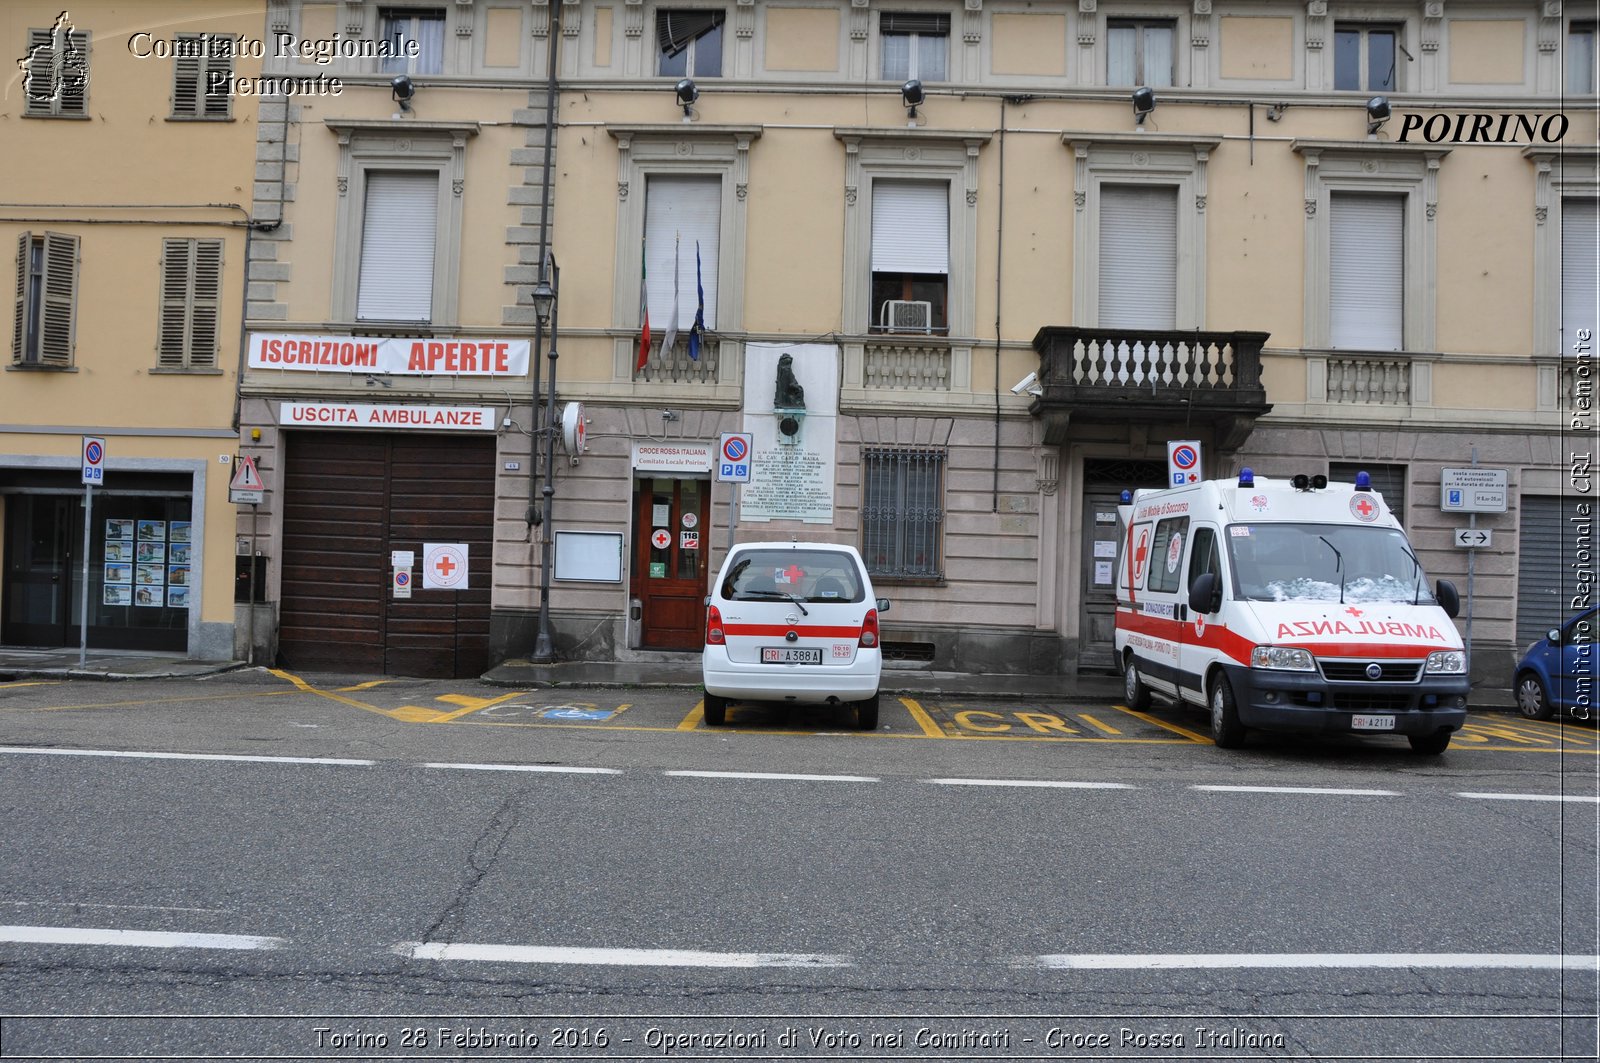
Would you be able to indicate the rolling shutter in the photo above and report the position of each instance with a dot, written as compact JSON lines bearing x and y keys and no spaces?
{"x":398,"y":236}
{"x":1388,"y":480}
{"x":1366,"y":285}
{"x":1138,"y":257}
{"x":678,"y":211}
{"x":1580,"y":268}
{"x":911,"y":227}
{"x":1547,"y":541}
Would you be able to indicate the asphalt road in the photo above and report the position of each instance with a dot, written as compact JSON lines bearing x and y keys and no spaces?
{"x":335,"y":867}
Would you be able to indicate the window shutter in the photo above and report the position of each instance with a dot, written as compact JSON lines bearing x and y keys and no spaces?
{"x":75,"y":71}
{"x":1138,"y":257}
{"x":38,"y":91}
{"x":23,"y":243}
{"x":219,"y":60}
{"x":910,"y":227}
{"x":191,"y":289}
{"x":1366,"y":283}
{"x":1580,"y":264}
{"x":60,"y":298}
{"x":398,"y":234}
{"x":186,"y":77}
{"x":677,"y":212}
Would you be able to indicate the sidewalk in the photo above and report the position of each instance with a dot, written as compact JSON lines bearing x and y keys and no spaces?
{"x":18,"y":663}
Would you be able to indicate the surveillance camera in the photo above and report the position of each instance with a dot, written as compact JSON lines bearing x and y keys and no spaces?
{"x":1028,"y":384}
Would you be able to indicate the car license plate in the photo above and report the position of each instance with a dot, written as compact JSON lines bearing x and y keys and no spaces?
{"x":1372,"y":723}
{"x":792,"y":655}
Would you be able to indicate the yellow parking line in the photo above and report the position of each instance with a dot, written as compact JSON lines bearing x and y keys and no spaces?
{"x":1092,"y":722}
{"x":405,"y":714}
{"x":469,"y":705}
{"x":696,"y":714}
{"x":924,"y":721}
{"x":1192,"y":736}
{"x":30,"y":683}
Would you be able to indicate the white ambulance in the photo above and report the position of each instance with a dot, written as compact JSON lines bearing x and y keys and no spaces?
{"x":1286,"y":605}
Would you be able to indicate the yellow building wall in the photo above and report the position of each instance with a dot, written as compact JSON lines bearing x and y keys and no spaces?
{"x":1487,"y":51}
{"x":801,"y":38}
{"x":1030,"y":44}
{"x":1257,"y":49}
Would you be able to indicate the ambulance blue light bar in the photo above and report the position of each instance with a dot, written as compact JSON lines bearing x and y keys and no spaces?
{"x":1247,"y":477}
{"x":1363,"y":481}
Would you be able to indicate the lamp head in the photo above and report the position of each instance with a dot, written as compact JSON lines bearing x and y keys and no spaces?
{"x":1377,"y":114}
{"x":544,"y":299}
{"x":687,"y":92}
{"x":401,"y":90}
{"x":911,"y":95}
{"x":1144,"y":101}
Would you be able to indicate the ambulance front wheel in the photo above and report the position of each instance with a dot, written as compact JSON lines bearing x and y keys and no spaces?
{"x":1134,"y":692}
{"x":1226,"y":730}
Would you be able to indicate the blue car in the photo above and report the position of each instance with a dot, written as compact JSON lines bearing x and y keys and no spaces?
{"x":1558,"y":671}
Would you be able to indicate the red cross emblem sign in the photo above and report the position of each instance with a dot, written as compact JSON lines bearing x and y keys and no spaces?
{"x":444,"y":566}
{"x":1363,"y":507}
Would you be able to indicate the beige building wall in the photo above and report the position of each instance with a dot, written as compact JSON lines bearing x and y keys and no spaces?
{"x":121,"y":181}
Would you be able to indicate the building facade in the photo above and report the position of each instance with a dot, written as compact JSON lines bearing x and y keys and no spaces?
{"x":999,"y":276}
{"x":127,"y":176}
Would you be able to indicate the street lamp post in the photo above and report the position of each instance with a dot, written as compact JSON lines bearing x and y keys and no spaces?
{"x":546,"y":301}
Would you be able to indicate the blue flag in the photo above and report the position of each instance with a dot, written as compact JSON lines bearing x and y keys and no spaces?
{"x":699,"y":310}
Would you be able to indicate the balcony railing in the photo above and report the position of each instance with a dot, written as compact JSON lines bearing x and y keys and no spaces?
{"x":674,"y":366}
{"x":905,"y":364}
{"x":1109,"y":374}
{"x":1376,"y":379}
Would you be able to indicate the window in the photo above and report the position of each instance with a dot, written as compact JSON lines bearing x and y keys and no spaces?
{"x":47,"y":296}
{"x":56,"y":72}
{"x":682,"y":227}
{"x":1581,"y":59}
{"x":191,"y":301}
{"x":1366,"y":276}
{"x":1166,"y":555}
{"x":910,"y":256}
{"x":416,"y":30}
{"x":1580,"y":264}
{"x":1204,"y":556}
{"x":1138,"y":256}
{"x":398,"y":240}
{"x":902,"y":512}
{"x":1139,"y":52}
{"x":1365,"y":57}
{"x":914,"y":46}
{"x":200,"y":70}
{"x":690,"y":44}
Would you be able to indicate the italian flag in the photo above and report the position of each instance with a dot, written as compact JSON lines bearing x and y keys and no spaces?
{"x":644,"y":313}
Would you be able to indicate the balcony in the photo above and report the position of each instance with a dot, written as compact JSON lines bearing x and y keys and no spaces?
{"x":1197,"y":380}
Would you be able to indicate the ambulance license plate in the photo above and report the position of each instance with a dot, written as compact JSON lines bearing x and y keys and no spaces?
{"x":800,"y":655}
{"x":1372,"y":723}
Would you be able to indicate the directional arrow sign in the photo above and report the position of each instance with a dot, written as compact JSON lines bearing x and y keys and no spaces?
{"x":1472,"y":537}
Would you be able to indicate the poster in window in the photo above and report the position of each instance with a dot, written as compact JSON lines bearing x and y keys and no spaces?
{"x":150,"y":575}
{"x":152,"y":531}
{"x":119,"y":529}
{"x":178,"y":553}
{"x":177,"y":575}
{"x":119,"y":572}
{"x":148,"y":596}
{"x":177,"y":597}
{"x":119,"y":549}
{"x":118,"y":594}
{"x":152,"y":552}
{"x":178,"y":531}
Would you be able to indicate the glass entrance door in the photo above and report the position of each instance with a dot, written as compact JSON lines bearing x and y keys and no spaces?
{"x":44,"y":538}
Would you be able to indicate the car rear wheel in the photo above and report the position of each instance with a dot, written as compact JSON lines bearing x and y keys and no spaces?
{"x":1226,"y":730}
{"x":867,"y":714}
{"x":1429,"y":745}
{"x":716,"y":709}
{"x":1533,"y":701}
{"x":1134,"y":692}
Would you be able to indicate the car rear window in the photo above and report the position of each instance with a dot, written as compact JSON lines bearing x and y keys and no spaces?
{"x":779,"y":575}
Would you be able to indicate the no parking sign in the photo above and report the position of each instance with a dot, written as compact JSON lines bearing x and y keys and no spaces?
{"x":1183,"y":462}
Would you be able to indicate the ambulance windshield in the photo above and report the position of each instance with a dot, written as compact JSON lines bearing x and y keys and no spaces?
{"x":1324,"y":563}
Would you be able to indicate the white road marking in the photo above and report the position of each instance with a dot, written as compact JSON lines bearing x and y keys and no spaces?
{"x":1226,"y":960}
{"x":187,"y":756}
{"x":771,"y":775}
{"x":1530,"y":797}
{"x":613,"y":957}
{"x":1058,"y":784}
{"x":558,"y":768}
{"x":1327,"y":790}
{"x":143,"y":939}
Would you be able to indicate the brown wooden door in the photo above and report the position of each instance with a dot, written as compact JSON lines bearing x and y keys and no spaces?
{"x":350,"y":499}
{"x":670,"y":580}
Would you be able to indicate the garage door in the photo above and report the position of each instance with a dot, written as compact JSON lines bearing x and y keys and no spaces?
{"x":350,"y":498}
{"x":1547,"y":542}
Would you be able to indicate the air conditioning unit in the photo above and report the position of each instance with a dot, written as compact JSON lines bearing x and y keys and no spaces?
{"x":905,"y":315}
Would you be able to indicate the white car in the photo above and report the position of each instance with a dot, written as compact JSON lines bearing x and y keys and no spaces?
{"x":793,"y":622}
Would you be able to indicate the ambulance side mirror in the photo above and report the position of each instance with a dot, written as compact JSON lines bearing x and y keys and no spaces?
{"x":1205,"y":593}
{"x":1449,"y":600}
{"x":882,"y":604}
